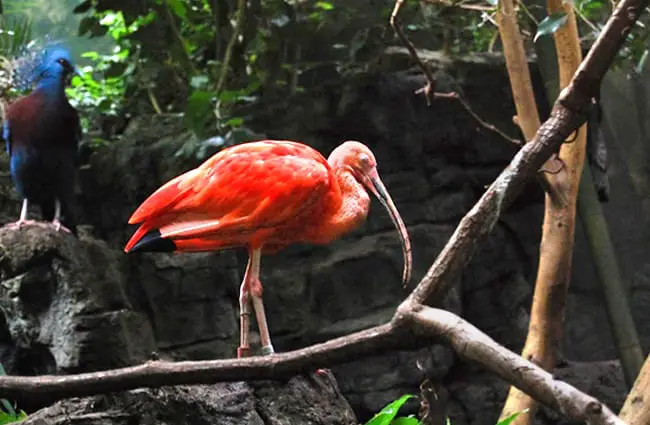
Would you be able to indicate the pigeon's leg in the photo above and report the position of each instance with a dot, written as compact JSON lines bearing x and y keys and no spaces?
{"x":57,"y":217}
{"x":22,"y":221}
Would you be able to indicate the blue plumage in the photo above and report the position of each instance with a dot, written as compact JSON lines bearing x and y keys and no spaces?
{"x":42,"y":133}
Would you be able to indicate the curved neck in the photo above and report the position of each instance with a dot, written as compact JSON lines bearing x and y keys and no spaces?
{"x":351,"y":209}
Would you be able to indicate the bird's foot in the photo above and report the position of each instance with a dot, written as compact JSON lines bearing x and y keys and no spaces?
{"x":243,"y":352}
{"x":59,"y":227}
{"x":21,"y":223}
{"x":267,"y":350}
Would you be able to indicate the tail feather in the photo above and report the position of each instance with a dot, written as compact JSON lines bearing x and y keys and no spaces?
{"x":162,"y":200}
{"x":136,"y":237}
{"x":152,"y":237}
{"x":152,"y":241}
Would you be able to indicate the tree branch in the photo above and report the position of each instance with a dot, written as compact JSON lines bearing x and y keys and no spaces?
{"x":546,"y":325}
{"x":46,"y":389}
{"x":236,"y":30}
{"x":429,"y":89}
{"x":472,"y":344}
{"x":411,"y":316}
{"x":569,"y":112}
{"x":468,"y":341}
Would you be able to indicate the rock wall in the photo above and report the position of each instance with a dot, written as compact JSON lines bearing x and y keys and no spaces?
{"x":435,"y":161}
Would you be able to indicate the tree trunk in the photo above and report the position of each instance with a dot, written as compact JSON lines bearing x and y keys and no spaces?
{"x":616,"y":294}
{"x":556,"y":249}
{"x":636,"y":410}
{"x":517,"y":64}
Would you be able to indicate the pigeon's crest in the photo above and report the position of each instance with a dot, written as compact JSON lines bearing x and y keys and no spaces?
{"x":35,"y":57}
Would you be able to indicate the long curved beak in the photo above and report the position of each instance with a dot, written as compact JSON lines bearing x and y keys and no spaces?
{"x":379,"y":190}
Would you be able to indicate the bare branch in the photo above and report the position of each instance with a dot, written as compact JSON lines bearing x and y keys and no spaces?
{"x":411,"y":316}
{"x":430,"y":87}
{"x":236,"y":30}
{"x":49,"y":388}
{"x":472,"y":344}
{"x":569,"y":112}
{"x":468,"y":341}
{"x":485,"y":124}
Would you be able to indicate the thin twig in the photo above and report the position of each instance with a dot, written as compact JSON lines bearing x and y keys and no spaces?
{"x":239,"y":24}
{"x":528,"y":13}
{"x":582,"y":16}
{"x":569,"y":112}
{"x":468,"y":108}
{"x":430,"y":87}
{"x":179,"y":38}
{"x":460,"y":5}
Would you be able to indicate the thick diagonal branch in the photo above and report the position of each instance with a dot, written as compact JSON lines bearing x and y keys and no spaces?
{"x":569,"y":112}
{"x":472,"y":344}
{"x":411,"y":317}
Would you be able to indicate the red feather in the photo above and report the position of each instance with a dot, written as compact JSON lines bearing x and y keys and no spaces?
{"x":266,"y":192}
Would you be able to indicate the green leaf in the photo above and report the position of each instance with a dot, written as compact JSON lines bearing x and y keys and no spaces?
{"x":234,"y":122}
{"x":199,"y":81}
{"x":509,"y":419}
{"x":198,"y":110}
{"x":325,"y":5}
{"x":177,"y":7}
{"x":550,"y":24}
{"x":388,"y":413}
{"x":8,"y":408}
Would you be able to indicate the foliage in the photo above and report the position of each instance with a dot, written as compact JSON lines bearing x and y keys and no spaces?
{"x":106,"y":96}
{"x":387,"y":415}
{"x":550,"y":24}
{"x":509,"y":419}
{"x":15,"y":33}
{"x":197,"y":58}
{"x":282,"y":46}
{"x":8,"y":413}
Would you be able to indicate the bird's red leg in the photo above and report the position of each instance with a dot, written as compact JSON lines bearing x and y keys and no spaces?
{"x":244,"y":307}
{"x":244,"y":321}
{"x":256,"y":296}
{"x":258,"y":305}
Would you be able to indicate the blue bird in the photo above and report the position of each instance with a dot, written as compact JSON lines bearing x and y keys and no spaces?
{"x":42,"y":133}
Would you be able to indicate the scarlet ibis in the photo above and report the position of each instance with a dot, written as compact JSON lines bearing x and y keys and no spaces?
{"x":264,"y":196}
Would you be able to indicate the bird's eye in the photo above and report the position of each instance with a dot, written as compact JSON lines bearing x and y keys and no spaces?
{"x":364,"y":160}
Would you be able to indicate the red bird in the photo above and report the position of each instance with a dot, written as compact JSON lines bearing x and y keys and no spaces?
{"x":264,"y":196}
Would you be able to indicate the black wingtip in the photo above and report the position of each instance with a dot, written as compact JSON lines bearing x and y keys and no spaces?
{"x":154,"y":242}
